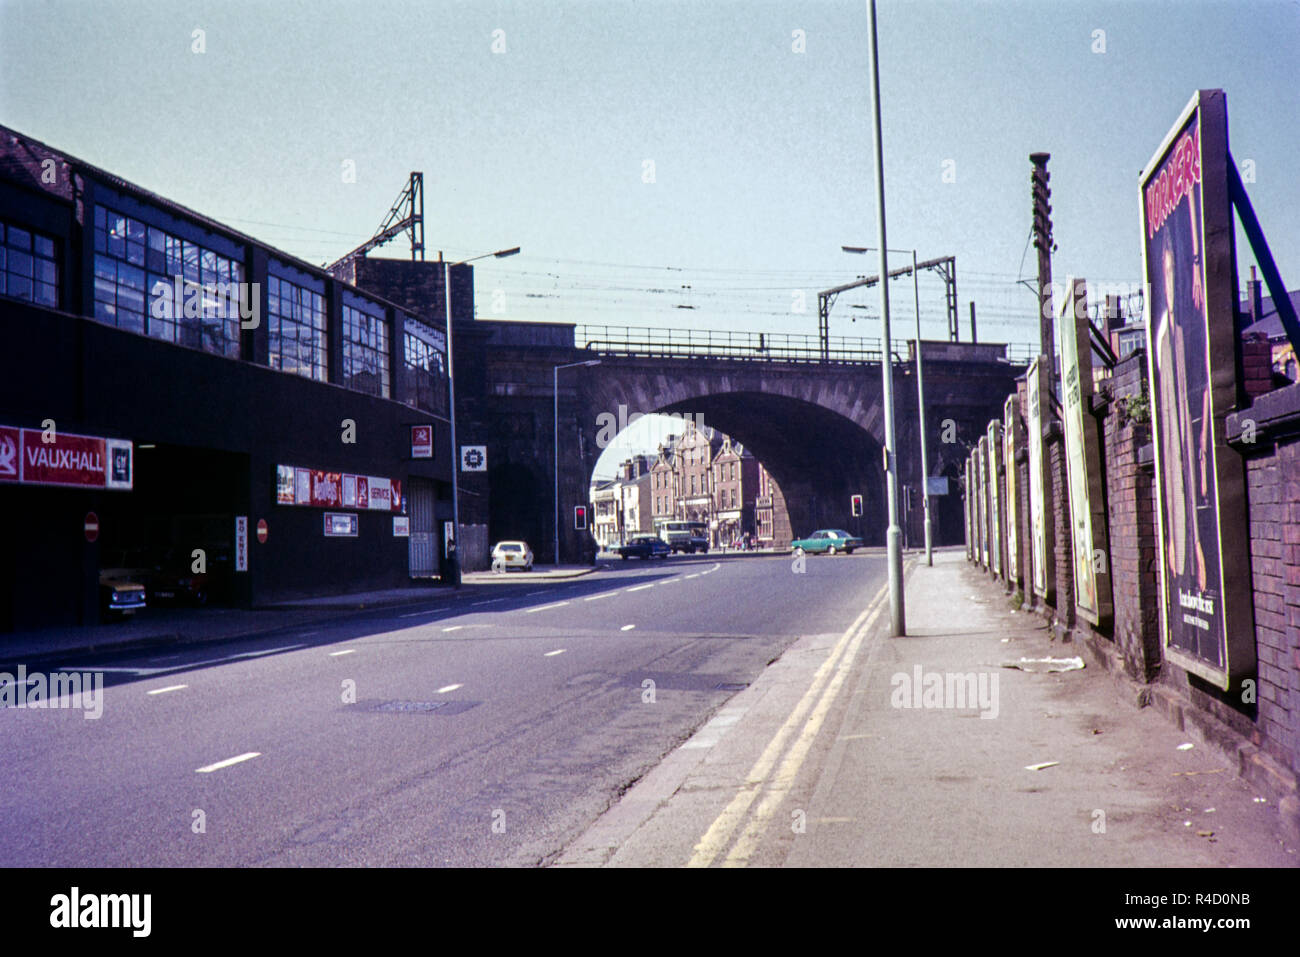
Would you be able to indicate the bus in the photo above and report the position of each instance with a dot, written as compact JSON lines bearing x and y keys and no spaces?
{"x":689,"y":537}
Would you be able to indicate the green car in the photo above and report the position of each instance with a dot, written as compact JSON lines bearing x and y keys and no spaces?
{"x":828,"y":540}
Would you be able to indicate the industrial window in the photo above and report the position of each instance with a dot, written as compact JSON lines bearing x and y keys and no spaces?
{"x":365,"y":351}
{"x":28,"y":269}
{"x":151,"y":282}
{"x":426,"y":368}
{"x":296,"y":330}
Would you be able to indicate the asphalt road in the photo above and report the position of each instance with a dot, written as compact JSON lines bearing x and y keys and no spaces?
{"x":486,"y":727}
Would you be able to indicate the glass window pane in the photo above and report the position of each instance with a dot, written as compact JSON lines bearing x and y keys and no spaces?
{"x":20,"y":287}
{"x":135,"y":230}
{"x":20,"y":264}
{"x":45,"y":247}
{"x":19,"y":238}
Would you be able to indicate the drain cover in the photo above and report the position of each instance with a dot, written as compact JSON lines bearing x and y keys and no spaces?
{"x":406,"y":707}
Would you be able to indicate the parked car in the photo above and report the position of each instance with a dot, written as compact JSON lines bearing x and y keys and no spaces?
{"x":121,"y":583}
{"x":644,"y":546}
{"x":828,"y":540}
{"x":174,"y":579}
{"x":508,"y":555}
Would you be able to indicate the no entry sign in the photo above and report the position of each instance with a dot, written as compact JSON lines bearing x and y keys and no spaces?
{"x":92,"y":526}
{"x":261,"y":530}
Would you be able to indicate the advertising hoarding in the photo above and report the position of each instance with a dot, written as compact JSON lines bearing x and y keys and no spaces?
{"x":1189,"y":265}
{"x":1092,"y":595}
{"x":1012,"y":437}
{"x":1040,"y":485}
{"x":994,"y":450}
{"x":982,"y":480}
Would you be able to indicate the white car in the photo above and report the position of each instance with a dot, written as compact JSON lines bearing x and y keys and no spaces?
{"x":508,"y":555}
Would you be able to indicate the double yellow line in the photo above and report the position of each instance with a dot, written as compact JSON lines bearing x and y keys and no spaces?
{"x":760,"y":780}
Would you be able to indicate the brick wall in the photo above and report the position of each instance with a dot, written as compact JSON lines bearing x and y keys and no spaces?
{"x":1130,"y":513}
{"x":1062,"y":544}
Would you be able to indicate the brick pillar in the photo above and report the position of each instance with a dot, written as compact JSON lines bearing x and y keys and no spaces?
{"x":1130,"y":497}
{"x":1256,"y":364}
{"x":1061,"y":533}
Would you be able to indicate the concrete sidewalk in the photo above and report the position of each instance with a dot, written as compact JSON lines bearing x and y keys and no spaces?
{"x":833,"y":758}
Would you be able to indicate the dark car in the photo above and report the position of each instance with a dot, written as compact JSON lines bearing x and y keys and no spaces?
{"x":174,"y":580}
{"x":644,"y":546}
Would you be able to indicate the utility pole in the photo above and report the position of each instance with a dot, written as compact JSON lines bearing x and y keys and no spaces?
{"x":1043,"y":243}
{"x":920,"y":401}
{"x":894,"y":551}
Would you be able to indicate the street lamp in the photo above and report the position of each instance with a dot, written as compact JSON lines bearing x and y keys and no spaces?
{"x":894,"y":552}
{"x":555,"y":399}
{"x":920,"y":402}
{"x":451,"y":397}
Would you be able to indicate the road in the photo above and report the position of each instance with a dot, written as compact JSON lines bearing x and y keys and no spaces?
{"x":484,"y":727}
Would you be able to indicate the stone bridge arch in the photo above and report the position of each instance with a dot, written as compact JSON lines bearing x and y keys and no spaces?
{"x":820,"y":436}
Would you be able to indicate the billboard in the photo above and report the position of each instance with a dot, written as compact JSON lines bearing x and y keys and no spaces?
{"x":982,"y":499}
{"x":1189,"y":265}
{"x":1012,"y":438}
{"x":1040,"y":485}
{"x":50,"y":457}
{"x":967,"y":499}
{"x":1092,"y":596}
{"x":994,"y":451}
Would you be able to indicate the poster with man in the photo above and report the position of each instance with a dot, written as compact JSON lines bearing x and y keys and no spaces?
{"x":1189,"y":266}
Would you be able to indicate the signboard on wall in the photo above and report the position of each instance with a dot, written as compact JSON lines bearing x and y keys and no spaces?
{"x":241,"y":543}
{"x":994,"y":447}
{"x":340,"y":525}
{"x":422,"y":441}
{"x":1092,"y":596}
{"x":50,"y":457}
{"x":1012,"y":437}
{"x":1040,"y":488}
{"x":324,"y":489}
{"x":473,"y":458}
{"x":1189,"y":265}
{"x":401,"y":526}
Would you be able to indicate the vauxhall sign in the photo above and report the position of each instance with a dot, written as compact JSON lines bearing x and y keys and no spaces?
{"x":48,"y":457}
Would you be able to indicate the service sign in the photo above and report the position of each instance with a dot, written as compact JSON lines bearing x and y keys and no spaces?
{"x":1012,"y":437}
{"x":1040,"y":488}
{"x":1206,"y":612}
{"x":401,"y":526}
{"x":381,"y":495}
{"x":325,"y":489}
{"x":422,"y":441}
{"x":50,"y":457}
{"x":1092,"y":597}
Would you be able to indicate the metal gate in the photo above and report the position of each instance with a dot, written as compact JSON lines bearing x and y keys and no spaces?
{"x":423,"y":545}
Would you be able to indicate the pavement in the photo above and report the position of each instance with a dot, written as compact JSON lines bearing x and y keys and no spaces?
{"x":854,"y":749}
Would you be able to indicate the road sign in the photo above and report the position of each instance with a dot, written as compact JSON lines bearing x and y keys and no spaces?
{"x":473,"y":458}
{"x":92,"y":526}
{"x":241,"y":543}
{"x":580,"y":517}
{"x":857,"y":505}
{"x":261,"y":531}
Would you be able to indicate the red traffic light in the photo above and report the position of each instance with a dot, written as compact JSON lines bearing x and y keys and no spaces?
{"x":579,"y":517}
{"x":857,"y":505}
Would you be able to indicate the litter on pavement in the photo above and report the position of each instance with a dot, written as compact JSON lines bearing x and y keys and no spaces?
{"x":1046,"y":664}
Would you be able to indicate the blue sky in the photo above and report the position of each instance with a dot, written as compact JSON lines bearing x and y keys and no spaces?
{"x":762,"y":156}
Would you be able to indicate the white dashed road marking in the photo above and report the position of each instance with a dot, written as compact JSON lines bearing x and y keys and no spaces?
{"x":228,"y":762}
{"x":490,"y":601}
{"x":640,"y":587}
{"x":608,"y":594}
{"x":345,"y":651}
{"x":454,"y":628}
{"x":167,"y":689}
{"x":552,"y":654}
{"x":449,"y":688}
{"x":696,"y":575}
{"x":558,"y":604}
{"x":627,"y":627}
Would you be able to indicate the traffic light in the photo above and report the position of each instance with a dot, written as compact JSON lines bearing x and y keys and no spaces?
{"x":1040,"y":179}
{"x":580,"y":517}
{"x":857,"y":506}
